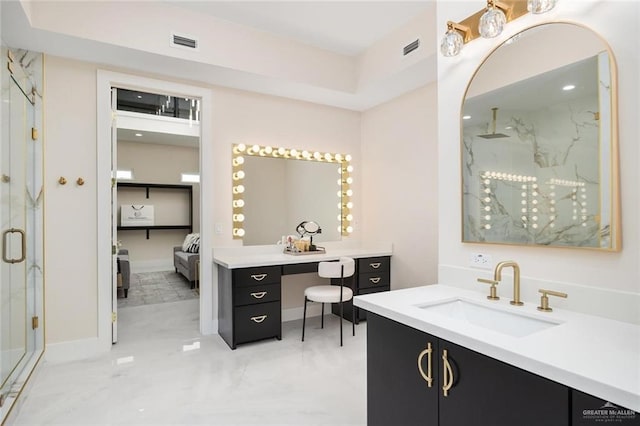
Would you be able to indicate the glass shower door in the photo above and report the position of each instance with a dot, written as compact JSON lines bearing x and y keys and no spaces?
{"x":21,"y":338}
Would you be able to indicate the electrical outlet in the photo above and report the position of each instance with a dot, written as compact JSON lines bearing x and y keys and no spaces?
{"x":480,"y":260}
{"x":218,"y":228}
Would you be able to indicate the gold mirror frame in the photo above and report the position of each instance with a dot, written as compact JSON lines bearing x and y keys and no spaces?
{"x":345,"y":179}
{"x":612,"y":232}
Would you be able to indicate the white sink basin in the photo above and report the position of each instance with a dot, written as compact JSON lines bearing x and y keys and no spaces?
{"x":496,"y":319}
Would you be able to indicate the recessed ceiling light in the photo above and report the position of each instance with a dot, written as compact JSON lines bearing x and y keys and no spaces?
{"x":139,"y":96}
{"x":466,"y":117}
{"x":138,"y":134}
{"x":568,"y":87}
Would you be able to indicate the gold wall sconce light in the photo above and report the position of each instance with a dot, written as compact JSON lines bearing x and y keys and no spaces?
{"x":489,"y":22}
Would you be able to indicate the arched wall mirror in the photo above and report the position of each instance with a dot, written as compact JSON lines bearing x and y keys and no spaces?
{"x":539,"y":142}
{"x":275,"y":189}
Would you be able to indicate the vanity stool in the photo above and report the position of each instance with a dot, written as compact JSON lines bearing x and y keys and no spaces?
{"x":345,"y":267}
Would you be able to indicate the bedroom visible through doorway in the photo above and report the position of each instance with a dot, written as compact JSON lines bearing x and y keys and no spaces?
{"x":156,"y":199}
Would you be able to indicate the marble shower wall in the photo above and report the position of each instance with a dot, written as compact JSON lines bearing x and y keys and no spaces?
{"x":539,"y":184}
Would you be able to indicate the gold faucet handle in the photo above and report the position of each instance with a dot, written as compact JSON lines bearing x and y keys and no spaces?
{"x":544,"y":299}
{"x":493,"y":295}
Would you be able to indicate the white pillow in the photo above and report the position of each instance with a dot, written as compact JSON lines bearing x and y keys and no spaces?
{"x":191,"y":243}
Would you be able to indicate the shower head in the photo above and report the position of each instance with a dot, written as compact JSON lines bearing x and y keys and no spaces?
{"x":493,"y":134}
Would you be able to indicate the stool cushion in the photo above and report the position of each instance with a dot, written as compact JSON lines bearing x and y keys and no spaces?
{"x":327,"y":293}
{"x":334,"y":269}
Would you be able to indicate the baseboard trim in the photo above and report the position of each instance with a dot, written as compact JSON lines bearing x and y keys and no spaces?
{"x":292,"y":314}
{"x":74,"y":350}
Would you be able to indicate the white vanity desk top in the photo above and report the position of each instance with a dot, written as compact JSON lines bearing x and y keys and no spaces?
{"x":595,"y":355}
{"x":251,"y":256}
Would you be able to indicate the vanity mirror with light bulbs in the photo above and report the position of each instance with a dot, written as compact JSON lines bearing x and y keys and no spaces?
{"x":276,"y":188}
{"x":539,"y":148}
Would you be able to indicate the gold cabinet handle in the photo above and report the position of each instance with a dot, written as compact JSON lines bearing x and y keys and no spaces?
{"x":447,"y":374}
{"x":23,"y":247}
{"x":375,"y":280}
{"x":259,"y":319}
{"x":375,"y":265}
{"x":544,"y":299}
{"x":259,"y":295}
{"x":259,"y":277}
{"x":428,"y":376}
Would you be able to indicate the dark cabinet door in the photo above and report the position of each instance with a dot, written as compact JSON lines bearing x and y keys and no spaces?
{"x":397,"y":393}
{"x":486,"y":392}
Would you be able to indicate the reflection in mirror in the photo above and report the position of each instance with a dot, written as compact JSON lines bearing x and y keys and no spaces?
{"x":274,"y":189}
{"x":539,"y":147}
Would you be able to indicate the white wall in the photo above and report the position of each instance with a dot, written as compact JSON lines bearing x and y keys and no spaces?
{"x":600,"y":283}
{"x":400,"y":171}
{"x":238,"y":116}
{"x":249,"y":118}
{"x":70,"y":210}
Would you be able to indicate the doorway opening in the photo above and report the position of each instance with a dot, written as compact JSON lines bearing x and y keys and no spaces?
{"x":178,"y":214}
{"x":157,"y":199}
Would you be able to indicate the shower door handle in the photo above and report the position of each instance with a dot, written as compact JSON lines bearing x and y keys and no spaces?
{"x":23,"y":247}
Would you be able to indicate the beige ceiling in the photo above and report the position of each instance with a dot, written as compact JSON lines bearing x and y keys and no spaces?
{"x":345,"y":27}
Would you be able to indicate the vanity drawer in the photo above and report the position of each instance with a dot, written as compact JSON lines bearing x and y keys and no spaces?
{"x":373,"y":264}
{"x":243,"y":295}
{"x":361,"y":314}
{"x":255,"y":322}
{"x":257,"y":276}
{"x":373,"y":279}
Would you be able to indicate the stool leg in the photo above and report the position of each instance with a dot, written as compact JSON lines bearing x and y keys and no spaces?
{"x":304,"y":316}
{"x":353,"y":322}
{"x":322,"y":317}
{"x":341,"y":316}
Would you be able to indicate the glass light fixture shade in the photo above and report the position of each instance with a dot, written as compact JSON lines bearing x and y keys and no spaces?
{"x":492,"y":22}
{"x":540,"y":6}
{"x":452,"y":43}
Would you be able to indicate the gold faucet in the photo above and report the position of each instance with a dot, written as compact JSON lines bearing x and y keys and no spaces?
{"x":497,"y":276}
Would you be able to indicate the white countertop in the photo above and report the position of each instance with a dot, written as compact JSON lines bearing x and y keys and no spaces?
{"x":251,"y":256}
{"x":595,"y":355}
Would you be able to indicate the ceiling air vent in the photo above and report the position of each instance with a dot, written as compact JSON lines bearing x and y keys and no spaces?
{"x":411,"y":47}
{"x":184,"y":41}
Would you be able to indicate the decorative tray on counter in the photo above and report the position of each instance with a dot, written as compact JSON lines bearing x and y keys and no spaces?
{"x":294,"y":252}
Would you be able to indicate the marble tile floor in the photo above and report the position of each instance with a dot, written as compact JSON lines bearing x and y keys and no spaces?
{"x":163,"y":372}
{"x":156,"y":287}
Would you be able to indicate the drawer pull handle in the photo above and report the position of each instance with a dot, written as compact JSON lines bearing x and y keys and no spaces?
{"x":427,"y":377}
{"x":375,"y":265}
{"x":259,"y":295}
{"x":375,"y":280}
{"x":259,"y":277}
{"x":447,"y":374}
{"x":259,"y":319}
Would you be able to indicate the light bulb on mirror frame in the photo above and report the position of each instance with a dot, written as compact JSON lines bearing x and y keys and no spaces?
{"x":492,"y":22}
